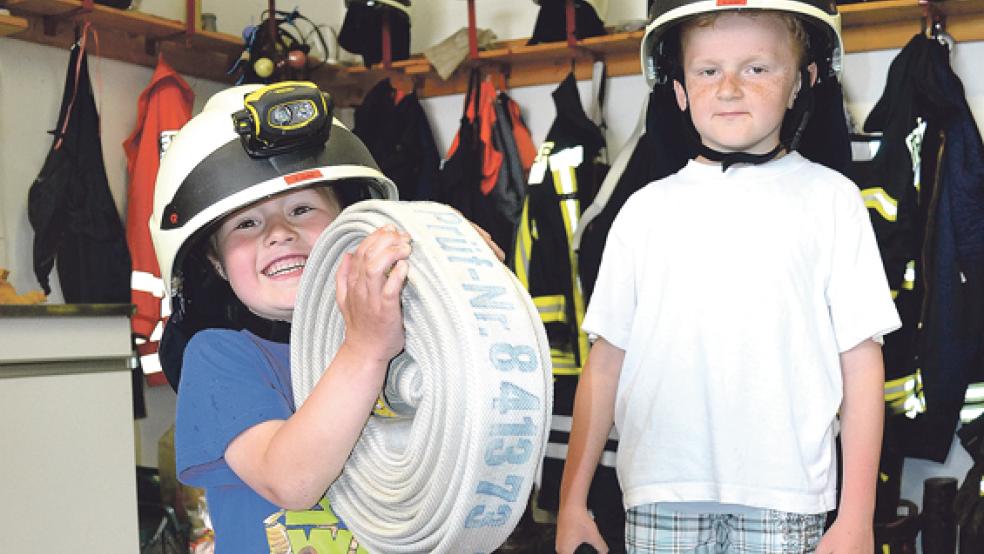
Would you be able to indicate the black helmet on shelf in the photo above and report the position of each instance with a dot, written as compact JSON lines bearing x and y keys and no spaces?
{"x":362,"y":29}
{"x":551,"y":21}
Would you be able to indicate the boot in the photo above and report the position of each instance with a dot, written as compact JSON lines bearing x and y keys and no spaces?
{"x":939,"y":523}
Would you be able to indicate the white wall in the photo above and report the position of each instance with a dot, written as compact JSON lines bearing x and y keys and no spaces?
{"x":32,"y":77}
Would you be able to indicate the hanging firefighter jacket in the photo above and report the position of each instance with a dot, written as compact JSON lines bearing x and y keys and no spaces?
{"x":486,"y":157}
{"x":511,"y":137}
{"x":925,"y":192}
{"x":75,"y":221}
{"x":565,"y":176}
{"x":396,"y":131}
{"x":162,"y":109}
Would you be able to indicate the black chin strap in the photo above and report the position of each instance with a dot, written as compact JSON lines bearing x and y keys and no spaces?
{"x":728,"y":159}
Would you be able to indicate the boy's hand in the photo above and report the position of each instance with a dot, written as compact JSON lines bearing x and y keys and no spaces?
{"x":847,"y":538}
{"x":574,"y":527}
{"x":368,"y":285}
{"x":488,"y":240}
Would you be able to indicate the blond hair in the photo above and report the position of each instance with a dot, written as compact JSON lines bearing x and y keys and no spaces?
{"x":797,"y":31}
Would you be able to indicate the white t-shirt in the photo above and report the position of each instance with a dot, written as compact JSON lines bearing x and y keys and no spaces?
{"x":732,"y":295}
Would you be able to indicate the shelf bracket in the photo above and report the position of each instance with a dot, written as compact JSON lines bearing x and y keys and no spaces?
{"x":472,"y":32}
{"x":387,"y":44}
{"x":49,"y":23}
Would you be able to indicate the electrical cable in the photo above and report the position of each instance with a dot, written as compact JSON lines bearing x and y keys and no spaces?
{"x":470,"y":397}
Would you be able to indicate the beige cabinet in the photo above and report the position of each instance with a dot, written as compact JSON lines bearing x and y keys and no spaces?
{"x":67,"y":469}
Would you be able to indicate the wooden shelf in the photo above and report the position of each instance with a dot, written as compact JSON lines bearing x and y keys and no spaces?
{"x":515,"y":62}
{"x":135,"y":37}
{"x":886,"y":24}
{"x":10,"y":25}
{"x":129,"y":36}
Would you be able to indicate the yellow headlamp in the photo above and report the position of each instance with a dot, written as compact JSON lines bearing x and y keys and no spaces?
{"x":284,"y":116}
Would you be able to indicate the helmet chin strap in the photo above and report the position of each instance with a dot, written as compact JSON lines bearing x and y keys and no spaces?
{"x":728,"y":159}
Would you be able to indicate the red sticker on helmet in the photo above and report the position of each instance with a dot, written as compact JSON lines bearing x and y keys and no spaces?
{"x":732,"y":2}
{"x":305,"y":175}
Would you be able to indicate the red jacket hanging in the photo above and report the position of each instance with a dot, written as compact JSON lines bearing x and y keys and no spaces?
{"x":162,"y":109}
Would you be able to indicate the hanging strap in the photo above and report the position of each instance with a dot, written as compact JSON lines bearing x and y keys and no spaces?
{"x":599,"y":87}
{"x":473,"y":93}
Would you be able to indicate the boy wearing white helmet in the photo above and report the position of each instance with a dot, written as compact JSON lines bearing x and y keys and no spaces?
{"x":738,"y":309}
{"x":244,"y":191}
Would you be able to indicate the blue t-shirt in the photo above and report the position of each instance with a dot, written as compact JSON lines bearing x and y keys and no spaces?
{"x":231,"y":381}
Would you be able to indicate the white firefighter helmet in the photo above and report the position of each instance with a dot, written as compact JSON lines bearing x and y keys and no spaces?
{"x":249,"y":142}
{"x":822,"y":21}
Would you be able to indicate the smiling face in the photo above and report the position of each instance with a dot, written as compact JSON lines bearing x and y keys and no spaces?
{"x":741,"y":74}
{"x":262,"y":249}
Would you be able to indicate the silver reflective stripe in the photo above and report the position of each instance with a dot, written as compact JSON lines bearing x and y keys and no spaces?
{"x":147,"y":282}
{"x":905,"y":395}
{"x":562,"y":423}
{"x":882,"y":202}
{"x":973,"y":403}
{"x":158,"y":332}
{"x":151,"y":364}
{"x":559,"y":452}
{"x":563,"y":164}
{"x":909,"y":278}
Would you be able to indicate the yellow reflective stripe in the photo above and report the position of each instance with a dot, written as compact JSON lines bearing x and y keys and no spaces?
{"x":524,"y":245}
{"x":552,"y":308}
{"x":563,"y":165}
{"x":904,"y":395}
{"x":909,"y":278}
{"x":877,"y":199}
{"x":563,"y":362}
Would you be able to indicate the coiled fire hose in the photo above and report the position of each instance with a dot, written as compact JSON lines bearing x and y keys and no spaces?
{"x":468,"y":401}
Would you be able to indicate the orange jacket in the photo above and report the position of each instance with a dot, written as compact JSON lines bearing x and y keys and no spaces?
{"x":162,"y":109}
{"x":492,"y":158}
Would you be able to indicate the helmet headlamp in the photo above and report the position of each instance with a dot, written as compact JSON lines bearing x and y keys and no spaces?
{"x":282,"y":117}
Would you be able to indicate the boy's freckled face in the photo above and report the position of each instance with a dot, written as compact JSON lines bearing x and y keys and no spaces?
{"x":264,"y":247}
{"x":741,"y":75}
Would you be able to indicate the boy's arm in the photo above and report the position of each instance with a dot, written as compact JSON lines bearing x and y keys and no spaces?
{"x":862,"y":418}
{"x":292,"y":462}
{"x":594,"y":413}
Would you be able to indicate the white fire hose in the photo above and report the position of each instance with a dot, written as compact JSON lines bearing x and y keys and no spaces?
{"x":472,"y":392}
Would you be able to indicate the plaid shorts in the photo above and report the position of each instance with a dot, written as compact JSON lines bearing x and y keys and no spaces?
{"x":653,"y":528}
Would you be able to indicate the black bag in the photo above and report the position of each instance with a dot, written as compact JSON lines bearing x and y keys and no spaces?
{"x":70,"y":206}
{"x":460,"y":179}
